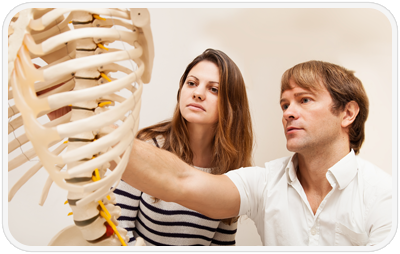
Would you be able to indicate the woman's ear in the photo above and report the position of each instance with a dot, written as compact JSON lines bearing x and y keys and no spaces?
{"x":350,"y":113}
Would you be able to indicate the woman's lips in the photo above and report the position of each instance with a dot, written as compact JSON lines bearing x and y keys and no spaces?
{"x":196,"y":107}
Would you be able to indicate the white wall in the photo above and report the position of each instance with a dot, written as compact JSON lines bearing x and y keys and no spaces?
{"x":263,"y":43}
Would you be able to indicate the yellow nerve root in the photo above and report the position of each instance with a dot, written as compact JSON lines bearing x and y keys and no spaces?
{"x":105,"y":214}
{"x":97,"y":174}
{"x":105,"y":77}
{"x":98,"y":17}
{"x":104,"y":103}
{"x":101,"y":46}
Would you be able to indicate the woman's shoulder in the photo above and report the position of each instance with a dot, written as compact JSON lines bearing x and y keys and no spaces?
{"x":157,"y":141}
{"x":207,"y":170}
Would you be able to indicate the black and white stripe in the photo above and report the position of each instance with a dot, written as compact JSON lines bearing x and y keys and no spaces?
{"x":166,"y":223}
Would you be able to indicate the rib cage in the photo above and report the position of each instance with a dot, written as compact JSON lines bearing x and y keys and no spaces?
{"x":82,"y":69}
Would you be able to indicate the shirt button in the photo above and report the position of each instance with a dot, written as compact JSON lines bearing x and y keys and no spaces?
{"x":313,"y":231}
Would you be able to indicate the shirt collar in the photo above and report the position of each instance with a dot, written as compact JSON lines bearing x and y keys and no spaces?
{"x":344,"y":170}
{"x":341,"y":173}
{"x":291,"y":169}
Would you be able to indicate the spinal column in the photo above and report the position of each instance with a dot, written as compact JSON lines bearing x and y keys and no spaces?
{"x":87,"y":217}
{"x":80,"y":59}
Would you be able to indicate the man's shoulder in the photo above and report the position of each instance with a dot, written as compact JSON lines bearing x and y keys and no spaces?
{"x":271,"y":168}
{"x":278,"y":164}
{"x":276,"y":168}
{"x":372,"y":175}
{"x":370,"y":169}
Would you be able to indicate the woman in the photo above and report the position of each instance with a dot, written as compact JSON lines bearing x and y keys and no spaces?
{"x":211,"y":129}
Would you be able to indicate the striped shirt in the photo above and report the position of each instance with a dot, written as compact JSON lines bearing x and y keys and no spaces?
{"x":166,"y":223}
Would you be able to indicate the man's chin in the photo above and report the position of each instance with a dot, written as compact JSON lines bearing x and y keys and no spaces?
{"x":292,"y":147}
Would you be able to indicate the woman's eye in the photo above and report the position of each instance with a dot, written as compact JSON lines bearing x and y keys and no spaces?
{"x":214,"y":90}
{"x":284,"y":107}
{"x":191,"y":83}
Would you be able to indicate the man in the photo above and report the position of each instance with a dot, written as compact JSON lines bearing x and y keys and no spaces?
{"x":322,"y":195}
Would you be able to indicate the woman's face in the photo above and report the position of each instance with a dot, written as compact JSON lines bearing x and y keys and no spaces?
{"x":198,"y":101}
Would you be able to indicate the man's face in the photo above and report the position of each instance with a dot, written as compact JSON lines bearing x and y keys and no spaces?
{"x":308,"y":122}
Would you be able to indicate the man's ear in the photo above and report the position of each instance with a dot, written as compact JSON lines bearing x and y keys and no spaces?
{"x":350,"y":113}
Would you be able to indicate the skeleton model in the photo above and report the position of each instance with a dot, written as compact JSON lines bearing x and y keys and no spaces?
{"x":76,"y":149}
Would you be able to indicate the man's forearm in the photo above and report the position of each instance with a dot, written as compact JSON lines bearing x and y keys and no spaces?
{"x":162,"y":174}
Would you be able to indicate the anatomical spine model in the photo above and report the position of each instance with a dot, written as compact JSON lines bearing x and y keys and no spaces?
{"x":74,"y":44}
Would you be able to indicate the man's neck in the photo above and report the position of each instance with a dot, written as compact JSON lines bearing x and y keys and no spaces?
{"x":312,"y":169}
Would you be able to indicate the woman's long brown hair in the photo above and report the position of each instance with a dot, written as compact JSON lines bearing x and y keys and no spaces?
{"x":233,"y":140}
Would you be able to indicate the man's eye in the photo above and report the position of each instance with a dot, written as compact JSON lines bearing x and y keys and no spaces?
{"x":284,"y":106}
{"x":306,"y":100}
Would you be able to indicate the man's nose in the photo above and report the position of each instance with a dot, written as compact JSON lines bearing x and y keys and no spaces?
{"x":291,"y":113}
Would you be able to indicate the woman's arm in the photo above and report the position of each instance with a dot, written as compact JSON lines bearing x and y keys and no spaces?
{"x":163,"y":175}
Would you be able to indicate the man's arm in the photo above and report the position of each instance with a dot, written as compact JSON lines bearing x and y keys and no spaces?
{"x":379,"y":221}
{"x":163,"y":175}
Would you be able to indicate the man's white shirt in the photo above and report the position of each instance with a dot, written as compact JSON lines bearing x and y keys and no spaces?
{"x":357,"y":211}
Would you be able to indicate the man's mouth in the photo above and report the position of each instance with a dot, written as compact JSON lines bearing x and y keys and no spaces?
{"x":292,"y":129}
